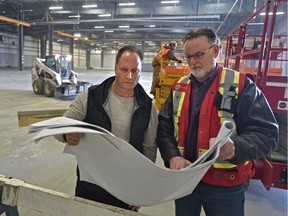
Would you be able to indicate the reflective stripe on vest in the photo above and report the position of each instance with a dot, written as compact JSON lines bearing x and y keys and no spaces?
{"x":228,"y":79}
{"x":178,"y":98}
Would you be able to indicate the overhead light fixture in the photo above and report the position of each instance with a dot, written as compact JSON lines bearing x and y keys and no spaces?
{"x":204,"y":17}
{"x":127,"y":4}
{"x":77,"y":35}
{"x":74,"y":16}
{"x":255,"y":23}
{"x":270,"y":13}
{"x":99,"y":27}
{"x":152,"y":26}
{"x":29,"y":10}
{"x":126,"y":26}
{"x":55,"y":7}
{"x":89,"y":6}
{"x":169,"y":2}
{"x":104,"y":15}
{"x":107,"y":31}
{"x":187,"y":17}
{"x":61,"y":11}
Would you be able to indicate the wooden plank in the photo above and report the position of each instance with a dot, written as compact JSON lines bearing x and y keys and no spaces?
{"x":18,"y":193}
{"x":25,"y":118}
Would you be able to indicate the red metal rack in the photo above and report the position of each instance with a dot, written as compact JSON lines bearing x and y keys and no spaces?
{"x":264,"y":54}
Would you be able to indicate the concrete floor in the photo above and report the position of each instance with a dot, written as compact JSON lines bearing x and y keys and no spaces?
{"x":44,"y":165}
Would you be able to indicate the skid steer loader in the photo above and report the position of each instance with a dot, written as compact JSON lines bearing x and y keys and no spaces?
{"x":53,"y":76}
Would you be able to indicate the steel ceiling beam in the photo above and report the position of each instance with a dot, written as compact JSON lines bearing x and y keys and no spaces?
{"x":17,"y":22}
{"x":185,"y":19}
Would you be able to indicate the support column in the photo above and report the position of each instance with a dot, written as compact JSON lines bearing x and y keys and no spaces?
{"x":50,"y":35}
{"x":43,"y":49}
{"x":88,"y":57}
{"x":102,"y":58}
{"x":20,"y":39}
{"x":71,"y":51}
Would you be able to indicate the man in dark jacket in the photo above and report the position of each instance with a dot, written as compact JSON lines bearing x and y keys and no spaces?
{"x":120,"y":105}
{"x":191,"y":118}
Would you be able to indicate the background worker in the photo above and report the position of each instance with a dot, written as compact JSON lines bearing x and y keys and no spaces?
{"x":120,"y":105}
{"x":191,"y":118}
{"x":162,"y":55}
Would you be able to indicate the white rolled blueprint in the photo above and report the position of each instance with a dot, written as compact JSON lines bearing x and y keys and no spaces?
{"x":113,"y":164}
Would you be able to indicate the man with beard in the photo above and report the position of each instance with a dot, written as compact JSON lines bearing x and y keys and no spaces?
{"x":191,"y":118}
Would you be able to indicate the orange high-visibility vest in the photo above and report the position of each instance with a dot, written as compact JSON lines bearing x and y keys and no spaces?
{"x":162,"y":54}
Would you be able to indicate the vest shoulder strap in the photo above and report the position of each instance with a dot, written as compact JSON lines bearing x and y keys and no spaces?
{"x":231,"y":85}
{"x":180,"y":88}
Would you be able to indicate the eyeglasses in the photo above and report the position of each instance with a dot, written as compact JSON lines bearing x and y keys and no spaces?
{"x":133,"y":71}
{"x":198,"y":55}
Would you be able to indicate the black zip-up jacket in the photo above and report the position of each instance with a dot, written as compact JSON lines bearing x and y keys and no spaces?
{"x":97,"y":97}
{"x":96,"y":114}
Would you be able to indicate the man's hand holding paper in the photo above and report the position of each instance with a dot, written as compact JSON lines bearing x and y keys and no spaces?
{"x":73,"y":138}
{"x":227,"y":151}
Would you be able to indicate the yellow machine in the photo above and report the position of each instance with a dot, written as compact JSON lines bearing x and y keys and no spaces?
{"x":170,"y":71}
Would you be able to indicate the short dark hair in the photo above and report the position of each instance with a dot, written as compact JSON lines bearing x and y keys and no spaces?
{"x":129,"y":48}
{"x":207,"y":32}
